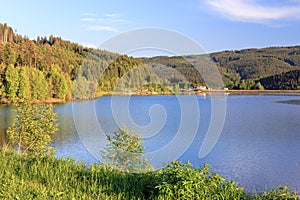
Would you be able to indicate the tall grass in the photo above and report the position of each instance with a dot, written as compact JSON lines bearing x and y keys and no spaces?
{"x":45,"y":177}
{"x":28,"y":177}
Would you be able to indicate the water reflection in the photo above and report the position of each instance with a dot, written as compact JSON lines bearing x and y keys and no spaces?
{"x":6,"y":118}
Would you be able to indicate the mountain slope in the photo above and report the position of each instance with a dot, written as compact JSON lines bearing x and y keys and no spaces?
{"x":241,"y":66}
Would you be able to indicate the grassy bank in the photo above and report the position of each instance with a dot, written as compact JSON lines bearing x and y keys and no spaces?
{"x":31,"y":177}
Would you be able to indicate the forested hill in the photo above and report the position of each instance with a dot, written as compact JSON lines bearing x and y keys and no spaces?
{"x":50,"y":67}
{"x":44,"y":68}
{"x":37,"y":69}
{"x":246,"y":69}
{"x":259,"y":64}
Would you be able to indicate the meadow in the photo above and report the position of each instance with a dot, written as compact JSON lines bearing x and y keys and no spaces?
{"x":46,"y":177}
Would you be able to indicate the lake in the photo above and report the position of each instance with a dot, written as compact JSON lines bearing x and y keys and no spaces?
{"x":258,"y":144}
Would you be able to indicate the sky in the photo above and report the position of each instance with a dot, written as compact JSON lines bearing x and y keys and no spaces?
{"x":216,"y":25}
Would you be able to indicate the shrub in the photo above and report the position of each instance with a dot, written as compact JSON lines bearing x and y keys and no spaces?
{"x":181,"y":181}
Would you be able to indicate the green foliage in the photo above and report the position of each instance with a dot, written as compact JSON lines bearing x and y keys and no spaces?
{"x":32,"y":128}
{"x":125,"y":151}
{"x":284,"y":81}
{"x":2,"y":91}
{"x":12,"y":82}
{"x":256,"y":63}
{"x":59,"y":63}
{"x":259,"y":86}
{"x":183,"y":69}
{"x":84,"y":89}
{"x":17,"y":52}
{"x":59,"y":83}
{"x":154,"y":88}
{"x":181,"y":181}
{"x":24,"y":90}
{"x":44,"y":177}
{"x":269,"y":66}
{"x":39,"y":85}
{"x":176,"y":89}
{"x":278,"y":193}
{"x":117,"y":69}
{"x":2,"y":85}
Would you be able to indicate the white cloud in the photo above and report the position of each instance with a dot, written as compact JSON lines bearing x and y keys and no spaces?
{"x":111,"y":22}
{"x":112,"y":15}
{"x":251,"y":11}
{"x":103,"y":28}
{"x":88,"y":19}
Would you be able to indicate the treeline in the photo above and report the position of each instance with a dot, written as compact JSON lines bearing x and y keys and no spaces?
{"x":117,"y":73}
{"x":24,"y":83}
{"x":47,"y":67}
{"x":284,"y":81}
{"x":65,"y":70}
{"x":6,"y":33}
{"x":129,"y":73}
{"x":37,"y":69}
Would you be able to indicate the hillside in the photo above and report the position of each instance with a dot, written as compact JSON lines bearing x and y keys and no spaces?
{"x":243,"y":69}
{"x":50,"y":67}
{"x":45,"y":68}
{"x":257,"y":64}
{"x":285,"y":81}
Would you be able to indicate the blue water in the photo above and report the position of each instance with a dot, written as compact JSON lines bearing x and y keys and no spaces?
{"x":258,"y":145}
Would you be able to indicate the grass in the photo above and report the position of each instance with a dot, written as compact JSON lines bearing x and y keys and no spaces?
{"x":33,"y":177}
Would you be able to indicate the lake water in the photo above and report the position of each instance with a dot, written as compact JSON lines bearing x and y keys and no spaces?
{"x":258,"y":146}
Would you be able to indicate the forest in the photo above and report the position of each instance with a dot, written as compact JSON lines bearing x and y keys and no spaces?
{"x":270,"y":68}
{"x":49,"y":67}
{"x":52,"y":68}
{"x":259,"y":65}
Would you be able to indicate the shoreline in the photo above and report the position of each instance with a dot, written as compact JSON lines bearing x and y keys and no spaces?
{"x":203,"y":92}
{"x":47,"y":101}
{"x":253,"y":92}
{"x":197,"y":93}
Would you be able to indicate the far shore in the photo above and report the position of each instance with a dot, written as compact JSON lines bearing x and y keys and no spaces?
{"x":207,"y":92}
{"x":198,"y":93}
{"x":253,"y":92}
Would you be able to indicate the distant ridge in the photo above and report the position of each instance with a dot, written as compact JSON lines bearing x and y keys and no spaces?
{"x":242,"y":69}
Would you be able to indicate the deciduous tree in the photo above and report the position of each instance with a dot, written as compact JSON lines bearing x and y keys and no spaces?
{"x":125,"y":151}
{"x":32,"y":128}
{"x":24,"y":89}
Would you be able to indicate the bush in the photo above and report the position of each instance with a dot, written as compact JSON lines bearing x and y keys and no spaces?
{"x":125,"y":152}
{"x":181,"y":181}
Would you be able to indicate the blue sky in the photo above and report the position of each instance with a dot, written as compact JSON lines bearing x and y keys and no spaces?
{"x":215,"y":24}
